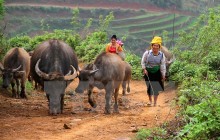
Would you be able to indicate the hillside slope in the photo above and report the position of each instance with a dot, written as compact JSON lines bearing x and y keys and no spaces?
{"x":137,"y":21}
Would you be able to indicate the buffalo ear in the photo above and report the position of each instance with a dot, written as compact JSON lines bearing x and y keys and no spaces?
{"x":94,"y":69}
{"x":93,"y":72}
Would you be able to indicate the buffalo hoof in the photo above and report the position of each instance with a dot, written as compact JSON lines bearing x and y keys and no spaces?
{"x":13,"y":95}
{"x":128,"y":89}
{"x":107,"y":111}
{"x":116,"y":112}
{"x":94,"y":105}
{"x":116,"y":109}
{"x":22,"y":95}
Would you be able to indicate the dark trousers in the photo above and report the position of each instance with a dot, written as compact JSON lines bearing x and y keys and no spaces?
{"x":155,"y":84}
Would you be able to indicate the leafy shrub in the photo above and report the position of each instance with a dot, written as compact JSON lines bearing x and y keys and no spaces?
{"x":197,"y":72}
{"x":212,"y":60}
{"x":155,"y":133}
{"x":135,"y":62}
{"x":20,"y":41}
{"x":3,"y":47}
{"x":91,"y":46}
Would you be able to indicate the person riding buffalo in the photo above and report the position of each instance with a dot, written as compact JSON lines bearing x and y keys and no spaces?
{"x":115,"y":46}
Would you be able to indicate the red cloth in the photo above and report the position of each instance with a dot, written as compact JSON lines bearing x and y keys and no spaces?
{"x":112,"y":49}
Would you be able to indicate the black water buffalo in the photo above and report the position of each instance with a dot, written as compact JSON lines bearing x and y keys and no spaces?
{"x":107,"y":69}
{"x":127,"y":78}
{"x":30,"y":79}
{"x":53,"y":66}
{"x":16,"y":66}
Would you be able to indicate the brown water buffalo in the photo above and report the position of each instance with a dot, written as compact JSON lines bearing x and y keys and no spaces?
{"x":169,"y":59}
{"x":127,"y":78}
{"x":53,"y":66}
{"x":109,"y":70}
{"x":16,"y":66}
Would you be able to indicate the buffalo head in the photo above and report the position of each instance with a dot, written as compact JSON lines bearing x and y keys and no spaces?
{"x":86,"y":78}
{"x":54,"y":86}
{"x":8,"y":74}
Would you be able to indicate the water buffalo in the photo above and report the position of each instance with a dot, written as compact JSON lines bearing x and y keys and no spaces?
{"x":107,"y":69}
{"x":127,"y":78}
{"x":53,"y":66}
{"x":30,"y":79}
{"x":169,"y":59}
{"x":16,"y":66}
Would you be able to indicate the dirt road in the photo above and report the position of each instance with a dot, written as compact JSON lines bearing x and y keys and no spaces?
{"x":29,"y":120}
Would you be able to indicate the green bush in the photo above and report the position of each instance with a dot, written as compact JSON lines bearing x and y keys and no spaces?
{"x":197,"y":72}
{"x":20,"y":41}
{"x":30,"y":43}
{"x":154,"y":133}
{"x":135,"y":62}
{"x":93,"y":45}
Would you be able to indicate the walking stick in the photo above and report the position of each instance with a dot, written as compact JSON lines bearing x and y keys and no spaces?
{"x":150,"y":83}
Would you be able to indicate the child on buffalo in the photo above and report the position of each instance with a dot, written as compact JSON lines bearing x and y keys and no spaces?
{"x":115,"y":47}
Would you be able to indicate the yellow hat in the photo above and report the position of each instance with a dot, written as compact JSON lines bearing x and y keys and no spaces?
{"x":157,"y":40}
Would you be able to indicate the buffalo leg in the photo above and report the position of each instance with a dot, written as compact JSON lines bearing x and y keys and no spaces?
{"x":128,"y":88}
{"x":22,"y":94}
{"x":62,"y":103}
{"x":116,"y":100}
{"x":17,"y":85}
{"x":108,"y":95}
{"x":124,"y":88}
{"x":13,"y":88}
{"x":91,"y":100}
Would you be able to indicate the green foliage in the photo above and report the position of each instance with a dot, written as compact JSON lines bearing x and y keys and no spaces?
{"x":134,"y":61}
{"x":104,"y":23}
{"x":29,"y":86}
{"x":30,"y":43}
{"x":2,"y":9}
{"x":20,"y":41}
{"x":91,"y":46}
{"x":155,"y":134}
{"x":197,"y":72}
{"x":3,"y":47}
{"x":202,"y":115}
{"x":212,"y":60}
{"x":75,"y":21}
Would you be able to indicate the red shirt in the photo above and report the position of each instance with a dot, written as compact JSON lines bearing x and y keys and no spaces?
{"x":112,"y":49}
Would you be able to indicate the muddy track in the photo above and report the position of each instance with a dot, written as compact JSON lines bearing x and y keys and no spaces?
{"x":28,"y":119}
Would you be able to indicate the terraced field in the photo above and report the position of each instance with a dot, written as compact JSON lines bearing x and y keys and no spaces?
{"x":137,"y":26}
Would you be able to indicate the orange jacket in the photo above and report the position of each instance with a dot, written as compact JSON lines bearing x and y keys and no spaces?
{"x":109,"y":49}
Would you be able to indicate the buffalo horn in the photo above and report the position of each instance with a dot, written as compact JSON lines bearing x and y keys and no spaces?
{"x":93,"y":71}
{"x":39,"y":72}
{"x":14,"y":70}
{"x":72,"y":76}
